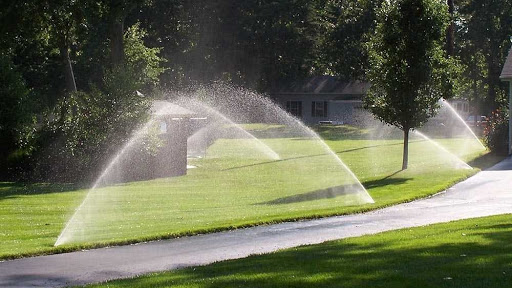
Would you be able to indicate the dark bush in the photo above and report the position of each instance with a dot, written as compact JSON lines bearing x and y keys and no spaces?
{"x":496,"y":132}
{"x":91,"y":127}
{"x":16,"y":118}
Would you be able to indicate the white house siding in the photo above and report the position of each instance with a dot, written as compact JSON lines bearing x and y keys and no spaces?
{"x":348,"y":112}
{"x":338,"y":111}
{"x":343,"y":98}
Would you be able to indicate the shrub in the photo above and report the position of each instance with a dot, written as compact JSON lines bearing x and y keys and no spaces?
{"x":16,"y":115}
{"x":496,"y":132}
{"x":91,"y":126}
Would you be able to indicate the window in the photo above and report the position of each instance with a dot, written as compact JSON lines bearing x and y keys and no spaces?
{"x":319,"y":109}
{"x":294,"y":108}
{"x":163,"y":127}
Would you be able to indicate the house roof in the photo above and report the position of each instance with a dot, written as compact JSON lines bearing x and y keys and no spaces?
{"x":166,"y":108}
{"x":506,"y":73}
{"x":323,"y":85}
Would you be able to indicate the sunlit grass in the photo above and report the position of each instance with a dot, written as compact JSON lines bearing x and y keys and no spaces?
{"x":469,"y":253}
{"x":225,"y":191}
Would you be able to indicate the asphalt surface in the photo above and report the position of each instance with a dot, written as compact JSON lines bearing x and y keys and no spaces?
{"x":487,"y":193}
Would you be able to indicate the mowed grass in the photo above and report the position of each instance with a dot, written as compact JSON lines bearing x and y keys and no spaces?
{"x":224,"y":192}
{"x":469,"y":253}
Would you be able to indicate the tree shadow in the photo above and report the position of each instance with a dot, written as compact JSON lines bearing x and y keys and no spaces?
{"x":504,"y":165}
{"x":310,"y":156}
{"x":448,"y":258}
{"x":328,"y":193}
{"x":34,"y":280}
{"x":337,"y":191}
{"x":388,"y":180}
{"x":488,"y":160}
{"x":16,"y":189}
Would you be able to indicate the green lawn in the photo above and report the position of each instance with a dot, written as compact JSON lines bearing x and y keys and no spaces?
{"x":470,"y":253}
{"x":227,"y":191}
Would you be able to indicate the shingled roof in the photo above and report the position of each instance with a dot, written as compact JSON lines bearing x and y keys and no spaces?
{"x":506,"y":73}
{"x":322,"y":85}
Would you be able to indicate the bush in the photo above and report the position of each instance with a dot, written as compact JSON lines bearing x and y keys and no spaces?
{"x":496,"y":132}
{"x":91,"y":127}
{"x":16,"y":117}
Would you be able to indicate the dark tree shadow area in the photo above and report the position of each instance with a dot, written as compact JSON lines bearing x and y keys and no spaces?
{"x":311,"y":156}
{"x":331,"y":192}
{"x":14,"y":189}
{"x":32,"y":280}
{"x":486,"y":161}
{"x":380,"y":261}
{"x":337,"y":191}
{"x":385,"y":181}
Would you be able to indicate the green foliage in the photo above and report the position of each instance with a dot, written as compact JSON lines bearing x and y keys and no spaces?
{"x":255,"y":44}
{"x":496,"y":131}
{"x":408,"y":70}
{"x":16,"y":108}
{"x":483,"y":43}
{"x":13,"y":97}
{"x":143,"y":59}
{"x":348,"y":26}
{"x":91,"y":127}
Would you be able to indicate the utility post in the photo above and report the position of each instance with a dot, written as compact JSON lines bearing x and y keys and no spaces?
{"x":506,"y":75}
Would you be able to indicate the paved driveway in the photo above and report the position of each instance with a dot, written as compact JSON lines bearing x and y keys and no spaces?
{"x":487,"y":193}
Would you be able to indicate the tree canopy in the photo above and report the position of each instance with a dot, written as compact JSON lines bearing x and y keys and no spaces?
{"x":409,"y":70}
{"x":59,"y":53}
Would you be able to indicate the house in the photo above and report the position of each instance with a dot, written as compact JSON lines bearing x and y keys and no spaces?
{"x":323,"y":99}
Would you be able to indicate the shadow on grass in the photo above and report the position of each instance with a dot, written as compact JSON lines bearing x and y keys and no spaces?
{"x":486,"y":161}
{"x":337,"y":191}
{"x":15,"y":189}
{"x":415,"y":258}
{"x":316,"y":155}
{"x":385,"y":181}
{"x":331,"y":192}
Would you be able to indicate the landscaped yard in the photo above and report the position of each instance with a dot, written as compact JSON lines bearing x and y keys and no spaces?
{"x":469,"y":253}
{"x":226,"y":191}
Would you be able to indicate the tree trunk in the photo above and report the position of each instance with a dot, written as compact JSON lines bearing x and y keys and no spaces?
{"x":69,"y":76}
{"x":406,"y":149}
{"x":117,"y":41}
{"x":450,"y":32}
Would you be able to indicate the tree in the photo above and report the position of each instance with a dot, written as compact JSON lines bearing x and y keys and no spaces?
{"x":409,"y":71}
{"x":14,"y":110}
{"x":484,"y":30}
{"x":347,"y":26}
{"x":450,"y":32}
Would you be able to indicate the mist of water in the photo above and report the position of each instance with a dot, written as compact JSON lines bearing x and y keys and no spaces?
{"x":461,"y":121}
{"x":450,"y":156}
{"x":217,"y":129}
{"x":258,"y":148}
